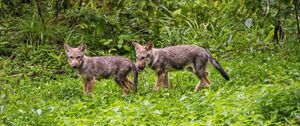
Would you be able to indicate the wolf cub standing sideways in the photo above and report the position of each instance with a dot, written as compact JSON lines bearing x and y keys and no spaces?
{"x":95,"y":68}
{"x":163,"y":60}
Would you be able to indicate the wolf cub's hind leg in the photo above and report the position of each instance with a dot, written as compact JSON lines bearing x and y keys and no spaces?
{"x":128,"y":84}
{"x":203,"y":79}
{"x":207,"y":82}
{"x":122,"y":83}
{"x":125,"y":88}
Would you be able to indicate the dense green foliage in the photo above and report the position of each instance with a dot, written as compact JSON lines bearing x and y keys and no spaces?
{"x":256,"y":42}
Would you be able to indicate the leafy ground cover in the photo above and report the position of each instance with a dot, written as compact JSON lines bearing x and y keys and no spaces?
{"x":257,"y":42}
{"x":264,"y":90}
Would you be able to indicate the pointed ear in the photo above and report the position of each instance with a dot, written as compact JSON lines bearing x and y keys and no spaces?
{"x":149,"y":46}
{"x":136,"y":45}
{"x":82,"y":47}
{"x":67,"y":47}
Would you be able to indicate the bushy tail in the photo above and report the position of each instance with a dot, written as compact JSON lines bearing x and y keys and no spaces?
{"x":135,"y":76}
{"x":217,"y":65}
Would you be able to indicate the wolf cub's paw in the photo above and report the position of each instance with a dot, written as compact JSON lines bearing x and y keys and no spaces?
{"x":156,"y":88}
{"x":125,"y":94}
{"x":206,"y":85}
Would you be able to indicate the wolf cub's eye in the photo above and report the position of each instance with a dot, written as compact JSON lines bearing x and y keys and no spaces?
{"x":78,"y":57}
{"x":71,"y":57}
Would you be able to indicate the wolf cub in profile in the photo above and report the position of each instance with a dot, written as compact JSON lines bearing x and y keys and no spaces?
{"x":163,"y":60}
{"x":95,"y":68}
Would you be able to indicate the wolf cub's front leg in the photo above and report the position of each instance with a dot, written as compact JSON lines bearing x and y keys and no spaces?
{"x":166,"y":81}
{"x":88,"y":86}
{"x":162,"y":81}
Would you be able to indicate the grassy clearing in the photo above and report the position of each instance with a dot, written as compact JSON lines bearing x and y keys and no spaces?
{"x":264,"y":89}
{"x":37,"y":87}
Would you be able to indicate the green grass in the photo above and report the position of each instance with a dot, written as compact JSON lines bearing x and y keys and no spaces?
{"x":37,"y":87}
{"x":264,"y":90}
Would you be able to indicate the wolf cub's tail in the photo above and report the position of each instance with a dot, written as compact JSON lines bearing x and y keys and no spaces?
{"x":217,"y":65}
{"x":135,"y":76}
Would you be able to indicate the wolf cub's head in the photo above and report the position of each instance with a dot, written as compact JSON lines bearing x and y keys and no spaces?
{"x":143,"y":54}
{"x":75,"y":55}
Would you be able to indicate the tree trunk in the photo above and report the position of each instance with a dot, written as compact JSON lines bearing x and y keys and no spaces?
{"x":296,"y":3}
{"x":278,"y":32}
{"x":57,"y":7}
{"x":40,"y":13}
{"x":80,"y":4}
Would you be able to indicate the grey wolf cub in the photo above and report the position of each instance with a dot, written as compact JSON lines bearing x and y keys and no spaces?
{"x":163,"y":60}
{"x":95,"y":68}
